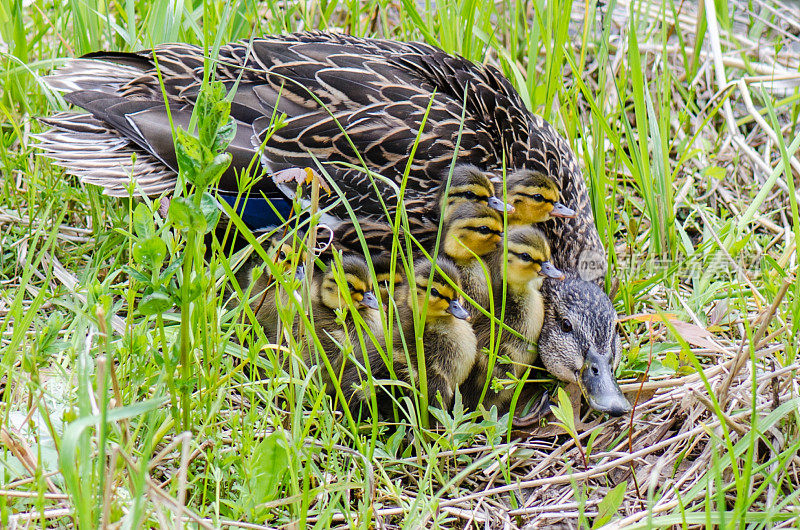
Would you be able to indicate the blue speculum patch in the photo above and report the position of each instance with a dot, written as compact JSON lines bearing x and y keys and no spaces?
{"x":259,"y":213}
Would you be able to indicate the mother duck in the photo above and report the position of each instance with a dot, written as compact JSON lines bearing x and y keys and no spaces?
{"x":348,"y":103}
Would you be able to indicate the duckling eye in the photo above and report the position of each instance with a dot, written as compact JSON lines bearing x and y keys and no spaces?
{"x":351,"y":286}
{"x":485,"y":230}
{"x":526,"y":257}
{"x":435,"y":292}
{"x":566,"y":325}
{"x":538,"y":197}
{"x":471,"y":195}
{"x":282,"y":255}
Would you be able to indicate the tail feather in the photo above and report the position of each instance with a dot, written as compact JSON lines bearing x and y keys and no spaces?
{"x":97,"y":155}
{"x":92,"y":74}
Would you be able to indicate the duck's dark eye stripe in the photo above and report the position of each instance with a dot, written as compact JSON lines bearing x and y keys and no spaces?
{"x":471,"y":195}
{"x":484,"y":230}
{"x":435,"y":292}
{"x":353,"y":289}
{"x":535,"y":198}
{"x":525,"y":257}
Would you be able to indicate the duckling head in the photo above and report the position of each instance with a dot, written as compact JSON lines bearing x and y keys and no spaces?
{"x":358,"y":281}
{"x":444,"y":301}
{"x":469,"y":184}
{"x":528,"y":256}
{"x":286,"y":257}
{"x":471,"y":228}
{"x":534,"y":197}
{"x":579,"y":343}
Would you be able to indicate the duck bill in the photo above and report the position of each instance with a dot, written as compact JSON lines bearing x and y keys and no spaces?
{"x":300,"y":272}
{"x":457,"y":310}
{"x":370,"y":300}
{"x":600,"y":387}
{"x":559,"y":210}
{"x":498,"y":204}
{"x":550,"y":271}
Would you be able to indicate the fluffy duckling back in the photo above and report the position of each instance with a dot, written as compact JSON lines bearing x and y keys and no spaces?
{"x":528,"y":265}
{"x":449,"y":342}
{"x":534,"y":198}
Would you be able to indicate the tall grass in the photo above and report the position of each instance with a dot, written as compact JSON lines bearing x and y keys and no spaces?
{"x":148,"y":344}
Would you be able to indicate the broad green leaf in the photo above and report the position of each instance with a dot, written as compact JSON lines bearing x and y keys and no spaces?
{"x":213,"y":170}
{"x":610,"y":504}
{"x":268,"y":467}
{"x":225,"y":136}
{"x":189,"y":152}
{"x":210,"y":209}
{"x":155,"y":303}
{"x":714,"y":172}
{"x":563,"y":412}
{"x":143,"y":225}
{"x":150,"y":252}
{"x":185,"y":214}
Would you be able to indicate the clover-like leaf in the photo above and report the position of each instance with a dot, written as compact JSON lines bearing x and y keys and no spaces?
{"x":155,"y":303}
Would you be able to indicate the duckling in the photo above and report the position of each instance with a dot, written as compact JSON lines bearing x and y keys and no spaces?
{"x":528,"y":265}
{"x":472,"y":230}
{"x":327,"y":300}
{"x":579,"y":342}
{"x":449,"y":342}
{"x":468,"y":184}
{"x":534,"y":198}
{"x":265,"y":295}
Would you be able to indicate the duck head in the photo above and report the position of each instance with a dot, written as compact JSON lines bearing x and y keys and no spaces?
{"x":528,"y":256}
{"x":469,"y":184}
{"x":358,"y":283}
{"x":471,"y":228}
{"x":443,"y":300}
{"x":287,"y":258}
{"x":579,"y":342}
{"x":535,"y":198}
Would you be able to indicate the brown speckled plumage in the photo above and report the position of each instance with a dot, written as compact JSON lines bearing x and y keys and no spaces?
{"x":376,"y":90}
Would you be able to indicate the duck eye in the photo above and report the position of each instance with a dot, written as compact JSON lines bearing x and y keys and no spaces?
{"x":350,"y":286}
{"x":435,"y":292}
{"x":538,"y":197}
{"x":566,"y":325}
{"x":484,"y":230}
{"x":471,"y":195}
{"x":526,"y":257}
{"x":282,"y":255}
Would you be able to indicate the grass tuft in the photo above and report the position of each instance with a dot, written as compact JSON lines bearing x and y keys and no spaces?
{"x":132,"y":375}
